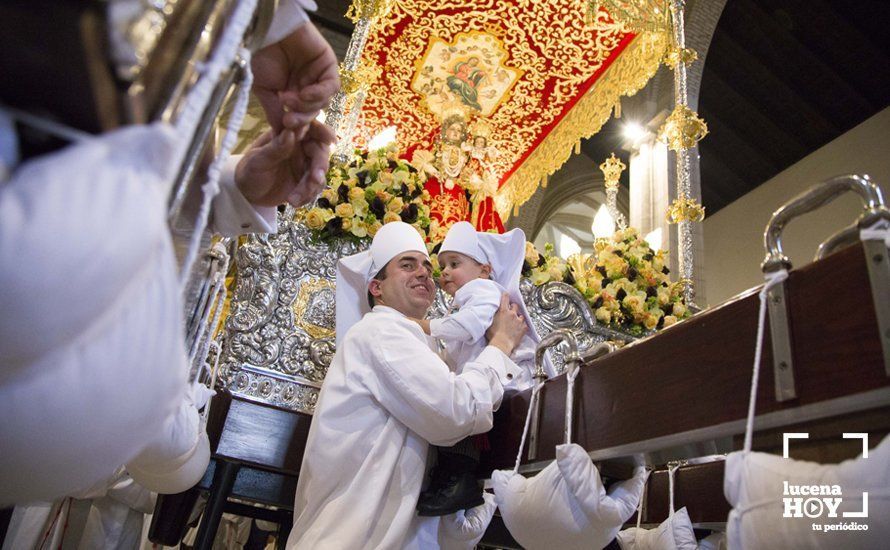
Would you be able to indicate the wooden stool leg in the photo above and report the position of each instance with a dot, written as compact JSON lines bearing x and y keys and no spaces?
{"x":223,"y":480}
{"x":284,"y":531}
{"x":5,"y":518}
{"x":170,"y":520}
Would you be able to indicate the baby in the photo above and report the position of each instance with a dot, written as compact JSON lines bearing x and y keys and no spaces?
{"x":477,"y":269}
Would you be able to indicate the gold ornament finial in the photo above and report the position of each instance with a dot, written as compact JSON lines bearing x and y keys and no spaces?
{"x":612,"y":168}
{"x":685,"y":209}
{"x":361,"y":78}
{"x":676,"y":55}
{"x":682,"y":129}
{"x":368,"y":9}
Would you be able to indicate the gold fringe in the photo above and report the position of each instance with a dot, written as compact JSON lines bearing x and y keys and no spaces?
{"x":578,"y":148}
{"x":625,"y":77}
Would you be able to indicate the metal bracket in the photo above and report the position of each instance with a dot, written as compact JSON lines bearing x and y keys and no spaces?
{"x":876,"y":258}
{"x":780,"y":333}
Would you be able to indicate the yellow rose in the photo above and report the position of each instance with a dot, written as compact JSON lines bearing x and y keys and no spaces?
{"x":669,"y":320}
{"x":330,"y":195}
{"x":664,"y":295}
{"x":356,"y":193}
{"x":650,"y":321}
{"x":317,"y":217}
{"x":556,"y":272}
{"x":346,"y":224}
{"x":531,"y":254}
{"x":373,"y":228}
{"x":359,"y":230}
{"x":615,"y":267}
{"x":395,"y":205}
{"x":345,"y":210}
{"x":539,"y":277}
{"x":603,"y":315}
{"x":635,"y":301}
{"x":638,"y":251}
{"x":391,"y":217}
{"x":679,"y":310}
{"x":359,"y":207}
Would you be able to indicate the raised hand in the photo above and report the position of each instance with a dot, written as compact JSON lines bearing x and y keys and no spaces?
{"x":295,"y":78}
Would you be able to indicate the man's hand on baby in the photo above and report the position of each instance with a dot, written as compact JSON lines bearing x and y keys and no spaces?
{"x":507,"y":328}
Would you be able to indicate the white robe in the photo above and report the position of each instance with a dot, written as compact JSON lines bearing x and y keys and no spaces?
{"x":387,"y":396}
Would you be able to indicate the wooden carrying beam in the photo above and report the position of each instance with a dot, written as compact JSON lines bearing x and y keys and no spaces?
{"x":691,"y":382}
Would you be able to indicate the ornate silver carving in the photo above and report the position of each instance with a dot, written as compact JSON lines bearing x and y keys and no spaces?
{"x":279,"y":337}
{"x":557,"y":305}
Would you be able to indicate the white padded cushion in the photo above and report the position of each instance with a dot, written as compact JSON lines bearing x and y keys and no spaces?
{"x":177,"y":458}
{"x":674,"y":533}
{"x":714,"y":541}
{"x":565,"y":506}
{"x":464,"y":529}
{"x":754,"y":486}
{"x":91,"y":332}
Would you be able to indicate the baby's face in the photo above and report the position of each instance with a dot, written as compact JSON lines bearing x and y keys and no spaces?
{"x":459,"y":269}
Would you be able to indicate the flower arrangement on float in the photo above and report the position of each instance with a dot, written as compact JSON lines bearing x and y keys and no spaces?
{"x":371,"y":189}
{"x":625,"y":282}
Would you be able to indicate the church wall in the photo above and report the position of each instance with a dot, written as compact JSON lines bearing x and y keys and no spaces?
{"x":733,"y":237}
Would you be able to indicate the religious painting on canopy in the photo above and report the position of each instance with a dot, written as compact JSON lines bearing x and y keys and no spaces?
{"x":471,"y":71}
{"x":538,"y":76}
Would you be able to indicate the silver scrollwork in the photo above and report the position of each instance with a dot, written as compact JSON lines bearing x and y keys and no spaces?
{"x":279,"y":337}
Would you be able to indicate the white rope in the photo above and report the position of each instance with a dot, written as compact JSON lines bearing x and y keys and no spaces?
{"x":51,"y":127}
{"x":571,"y":374}
{"x":671,"y":469}
{"x":207,"y":328}
{"x":201,"y":326}
{"x":879,"y":231}
{"x":772,"y":279}
{"x":528,"y":420}
{"x":211,"y":187}
{"x":213,"y":375}
{"x":640,"y":504}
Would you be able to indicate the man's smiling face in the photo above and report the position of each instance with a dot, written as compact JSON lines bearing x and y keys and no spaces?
{"x":408,"y":286}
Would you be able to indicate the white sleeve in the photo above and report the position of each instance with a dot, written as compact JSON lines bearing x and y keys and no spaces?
{"x":449,"y":329}
{"x":416,"y":387}
{"x":478,"y":300}
{"x":288,"y":17}
{"x":232,"y":214}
